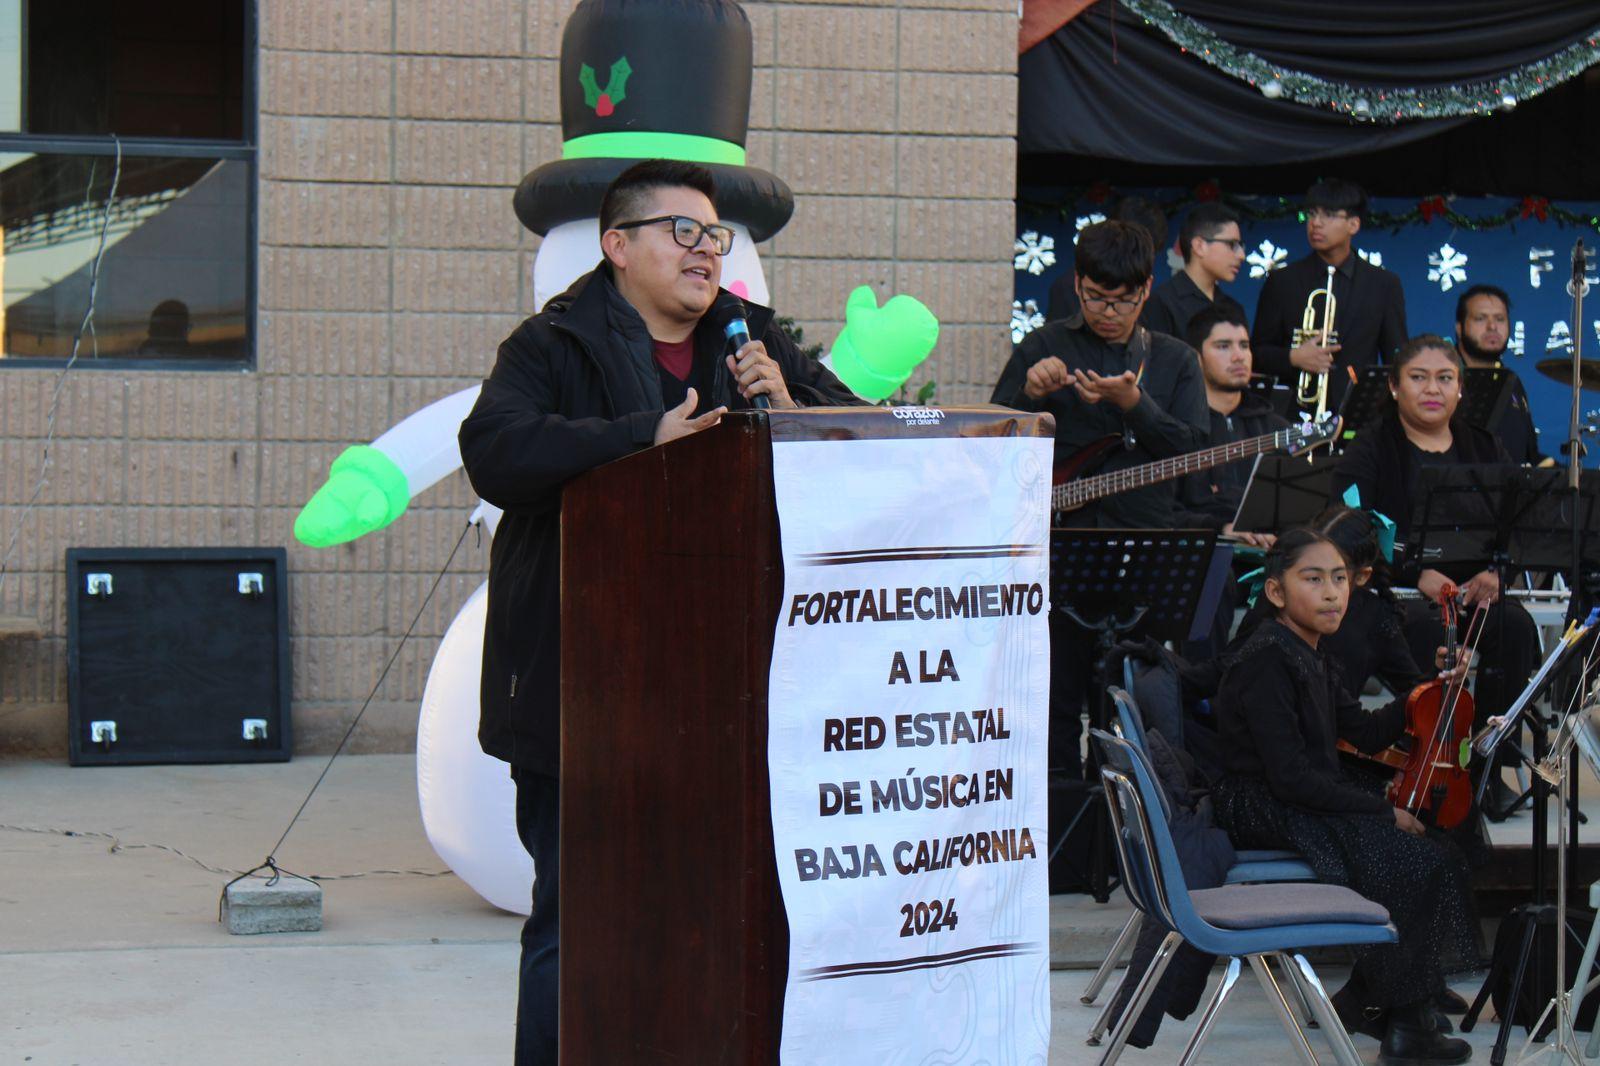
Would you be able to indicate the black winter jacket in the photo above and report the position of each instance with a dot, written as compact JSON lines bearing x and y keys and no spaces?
{"x":573,"y":387}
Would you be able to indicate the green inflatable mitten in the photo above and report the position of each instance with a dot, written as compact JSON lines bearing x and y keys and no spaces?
{"x":365,"y":491}
{"x":879,"y":347}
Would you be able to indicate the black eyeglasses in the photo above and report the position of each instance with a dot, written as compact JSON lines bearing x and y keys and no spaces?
{"x":1116,"y":305}
{"x":687,"y":231}
{"x":1233,"y":245}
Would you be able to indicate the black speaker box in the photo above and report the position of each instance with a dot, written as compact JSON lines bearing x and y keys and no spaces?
{"x":177,"y":655}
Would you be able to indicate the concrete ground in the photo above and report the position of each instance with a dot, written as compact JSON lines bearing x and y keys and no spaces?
{"x":115,"y":957}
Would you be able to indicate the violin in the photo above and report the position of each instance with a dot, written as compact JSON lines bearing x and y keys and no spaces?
{"x":1433,"y":783}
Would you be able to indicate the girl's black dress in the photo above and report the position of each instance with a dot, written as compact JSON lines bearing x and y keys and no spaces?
{"x":1279,"y":711}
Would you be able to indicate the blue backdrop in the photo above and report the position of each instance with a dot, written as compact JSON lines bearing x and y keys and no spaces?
{"x":1531,"y":260}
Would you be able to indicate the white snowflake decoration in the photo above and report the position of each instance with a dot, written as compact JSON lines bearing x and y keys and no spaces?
{"x":1034,"y":252}
{"x":1375,"y":258}
{"x":1517,"y":346}
{"x":1025,"y":318}
{"x":1084,"y":221}
{"x":1447,"y":266}
{"x":1560,"y":341}
{"x":1265,"y":259}
{"x":1174,"y":259}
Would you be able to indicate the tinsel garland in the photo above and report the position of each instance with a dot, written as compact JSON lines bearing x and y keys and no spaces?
{"x":1276,"y":208}
{"x":1367,"y":103}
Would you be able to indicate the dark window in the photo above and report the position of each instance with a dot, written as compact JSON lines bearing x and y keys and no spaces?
{"x":168,"y":87}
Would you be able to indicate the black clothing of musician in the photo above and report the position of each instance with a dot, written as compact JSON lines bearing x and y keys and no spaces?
{"x":1386,"y":466}
{"x":1210,"y":498}
{"x":1369,"y":643}
{"x":1169,"y":419}
{"x":1177,"y":300}
{"x":1087,"y":367}
{"x":573,"y":387}
{"x":1370,"y":318}
{"x":1280,"y":709}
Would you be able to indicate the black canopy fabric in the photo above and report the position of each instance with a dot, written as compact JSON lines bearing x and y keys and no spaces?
{"x":1107,"y":85}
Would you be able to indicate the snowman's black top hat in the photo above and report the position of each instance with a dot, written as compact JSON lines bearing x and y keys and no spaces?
{"x":654,"y":79}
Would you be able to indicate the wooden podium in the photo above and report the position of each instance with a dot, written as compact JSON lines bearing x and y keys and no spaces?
{"x":674,"y":942}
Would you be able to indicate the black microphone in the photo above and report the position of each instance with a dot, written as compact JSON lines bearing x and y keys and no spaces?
{"x":1580,"y":261}
{"x":729,"y":310}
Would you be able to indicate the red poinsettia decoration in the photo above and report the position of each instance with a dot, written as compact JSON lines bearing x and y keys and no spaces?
{"x":1208,"y":192}
{"x":1432,"y":207}
{"x":1535,"y":206}
{"x":1098,"y":193}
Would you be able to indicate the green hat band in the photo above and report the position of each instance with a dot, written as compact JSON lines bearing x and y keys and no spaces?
{"x":649,"y":145}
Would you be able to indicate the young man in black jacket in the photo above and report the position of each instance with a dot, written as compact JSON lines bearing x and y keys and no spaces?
{"x":1102,"y":374}
{"x":1210,"y":498}
{"x":1370,"y":318}
{"x":625,"y":359}
{"x":1213,"y":249}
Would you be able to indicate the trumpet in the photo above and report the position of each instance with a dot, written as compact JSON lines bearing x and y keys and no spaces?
{"x":1313,"y":388}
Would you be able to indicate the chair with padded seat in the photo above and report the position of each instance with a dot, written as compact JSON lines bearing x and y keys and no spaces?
{"x":1250,"y":866}
{"x":1243,"y":923}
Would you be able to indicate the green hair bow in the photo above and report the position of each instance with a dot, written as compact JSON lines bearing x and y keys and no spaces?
{"x":1380,"y":522}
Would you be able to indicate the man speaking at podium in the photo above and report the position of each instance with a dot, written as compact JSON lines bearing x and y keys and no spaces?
{"x":632,"y":355}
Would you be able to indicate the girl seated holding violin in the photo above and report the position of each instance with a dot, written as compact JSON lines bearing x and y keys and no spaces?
{"x":1421,"y":429}
{"x":1280,"y":710}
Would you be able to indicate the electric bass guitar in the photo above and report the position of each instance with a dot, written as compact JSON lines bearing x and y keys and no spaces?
{"x":1072,"y":489}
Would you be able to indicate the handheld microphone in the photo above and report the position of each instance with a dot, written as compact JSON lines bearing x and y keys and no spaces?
{"x":730,"y":310}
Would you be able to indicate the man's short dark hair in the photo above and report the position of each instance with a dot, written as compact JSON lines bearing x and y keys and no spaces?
{"x":1205,"y":220}
{"x":1336,"y":194}
{"x":1145,"y":213}
{"x":1113,"y":255}
{"x":1481,"y":290}
{"x":1208,"y":319}
{"x":629,"y":194}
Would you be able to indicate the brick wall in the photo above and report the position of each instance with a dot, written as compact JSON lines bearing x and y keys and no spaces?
{"x":392,"y":132}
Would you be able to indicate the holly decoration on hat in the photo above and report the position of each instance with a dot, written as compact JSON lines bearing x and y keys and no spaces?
{"x":605,"y":101}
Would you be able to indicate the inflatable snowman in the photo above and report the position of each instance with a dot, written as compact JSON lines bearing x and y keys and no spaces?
{"x":668,"y":79}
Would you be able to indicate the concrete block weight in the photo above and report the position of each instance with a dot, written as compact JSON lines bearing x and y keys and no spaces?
{"x":286,"y":905}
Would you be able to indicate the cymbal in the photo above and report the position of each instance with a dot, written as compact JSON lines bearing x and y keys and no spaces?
{"x":1561,"y":370}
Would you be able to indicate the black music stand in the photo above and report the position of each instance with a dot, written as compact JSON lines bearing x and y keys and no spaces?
{"x":1485,"y":395}
{"x":1364,"y":403}
{"x":1494,"y":512}
{"x":1488,"y":515}
{"x":1285,"y":491}
{"x":1120,"y":583}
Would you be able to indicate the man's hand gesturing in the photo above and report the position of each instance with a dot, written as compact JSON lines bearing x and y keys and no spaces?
{"x":680,"y":421}
{"x":1046,"y":376}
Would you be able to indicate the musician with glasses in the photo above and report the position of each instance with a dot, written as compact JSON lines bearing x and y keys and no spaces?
{"x":1102,"y":374}
{"x":626,"y":358}
{"x":1370,"y":320}
{"x":1213,"y":249}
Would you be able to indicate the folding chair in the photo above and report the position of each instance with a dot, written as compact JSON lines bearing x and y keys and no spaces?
{"x":1249,"y":866}
{"x":1242,"y":923}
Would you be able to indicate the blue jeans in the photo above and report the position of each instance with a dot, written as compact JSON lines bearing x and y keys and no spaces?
{"x":539,"y":825}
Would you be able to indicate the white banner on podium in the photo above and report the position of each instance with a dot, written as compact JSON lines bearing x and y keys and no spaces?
{"x":908,"y":714}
